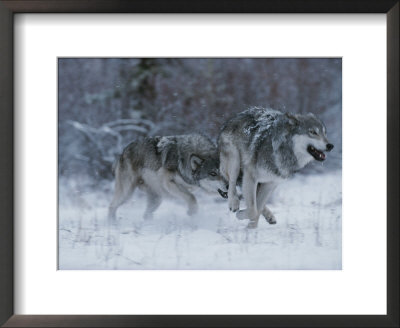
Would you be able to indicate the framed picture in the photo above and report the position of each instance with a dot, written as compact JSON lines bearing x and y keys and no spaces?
{"x":124,"y":132}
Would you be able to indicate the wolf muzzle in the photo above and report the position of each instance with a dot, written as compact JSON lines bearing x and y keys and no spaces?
{"x":224,"y":194}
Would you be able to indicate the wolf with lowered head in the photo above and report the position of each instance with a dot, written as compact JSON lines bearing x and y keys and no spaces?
{"x":166,"y":166}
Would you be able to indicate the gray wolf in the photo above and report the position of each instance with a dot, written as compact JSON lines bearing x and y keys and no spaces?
{"x":166,"y":166}
{"x":262,"y":147}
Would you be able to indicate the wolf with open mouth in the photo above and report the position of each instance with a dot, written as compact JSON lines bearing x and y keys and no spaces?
{"x":263,"y":147}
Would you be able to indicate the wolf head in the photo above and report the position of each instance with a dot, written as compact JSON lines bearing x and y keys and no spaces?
{"x":310,"y":140}
{"x":206,"y":172}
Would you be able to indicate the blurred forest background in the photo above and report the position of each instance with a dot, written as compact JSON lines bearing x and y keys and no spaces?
{"x":104,"y":103}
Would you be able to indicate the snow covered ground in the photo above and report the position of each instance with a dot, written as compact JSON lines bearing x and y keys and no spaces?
{"x":308,"y":233}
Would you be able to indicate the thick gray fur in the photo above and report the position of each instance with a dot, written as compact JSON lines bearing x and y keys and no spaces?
{"x":166,"y":166}
{"x":266,"y":146}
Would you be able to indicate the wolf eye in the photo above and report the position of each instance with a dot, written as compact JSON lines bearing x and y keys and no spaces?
{"x":213,"y":174}
{"x":313,"y":132}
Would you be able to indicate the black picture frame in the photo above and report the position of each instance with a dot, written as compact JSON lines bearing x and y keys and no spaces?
{"x":10,"y":7}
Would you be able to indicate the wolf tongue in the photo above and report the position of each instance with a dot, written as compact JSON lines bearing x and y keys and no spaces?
{"x":322,"y":155}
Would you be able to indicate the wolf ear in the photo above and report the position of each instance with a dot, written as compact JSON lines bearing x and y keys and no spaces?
{"x":311,"y":115}
{"x":195,"y":162}
{"x":293,"y":118}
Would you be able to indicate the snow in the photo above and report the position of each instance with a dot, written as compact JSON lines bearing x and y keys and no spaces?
{"x":265,"y":118}
{"x":307,"y":234}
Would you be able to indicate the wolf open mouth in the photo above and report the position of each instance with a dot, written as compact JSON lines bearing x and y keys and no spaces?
{"x":317,"y":154}
{"x":223,"y":194}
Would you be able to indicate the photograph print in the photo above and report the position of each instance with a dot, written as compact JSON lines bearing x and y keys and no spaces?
{"x":199,"y":164}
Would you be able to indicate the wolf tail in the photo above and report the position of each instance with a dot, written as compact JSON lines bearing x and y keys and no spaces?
{"x":115,"y":164}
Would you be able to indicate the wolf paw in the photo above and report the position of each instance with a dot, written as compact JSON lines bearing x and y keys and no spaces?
{"x":112,"y":222}
{"x":242,"y":215}
{"x":234,"y":203}
{"x":270,"y":219}
{"x":252,"y":224}
{"x":192,"y":210}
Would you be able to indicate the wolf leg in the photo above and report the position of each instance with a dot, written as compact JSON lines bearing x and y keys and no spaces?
{"x":230,"y":168}
{"x":181,"y":192}
{"x":249,"y":192}
{"x":264,"y":190}
{"x":153,"y":202}
{"x":123,"y":191}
